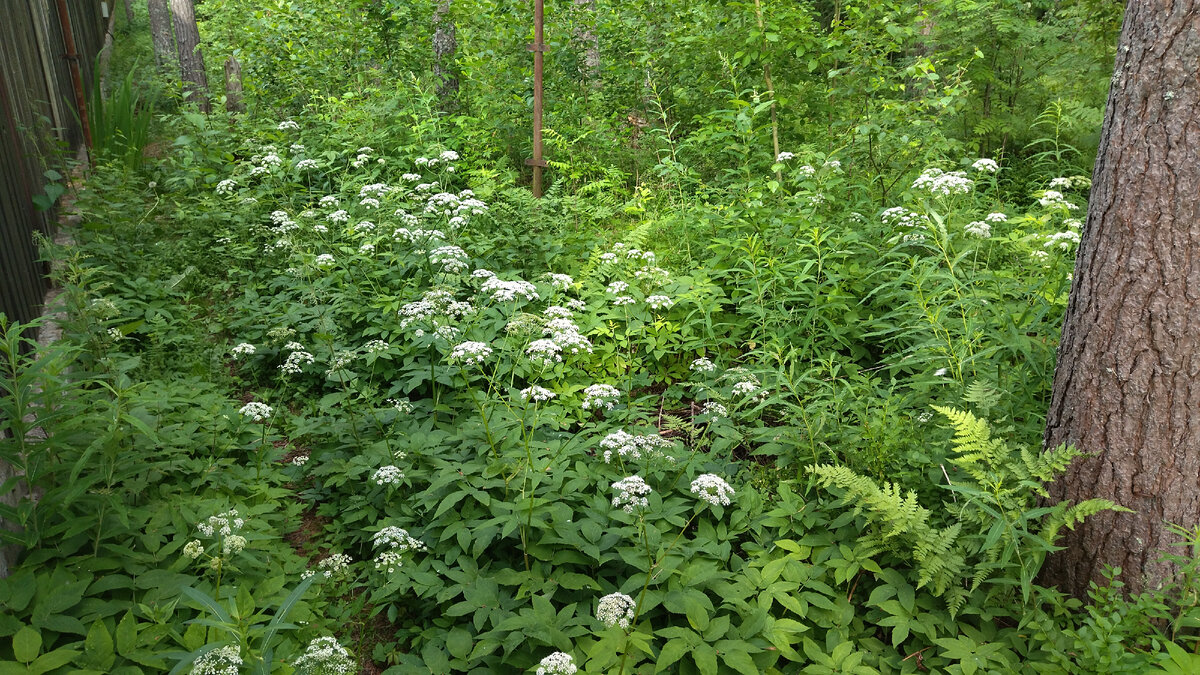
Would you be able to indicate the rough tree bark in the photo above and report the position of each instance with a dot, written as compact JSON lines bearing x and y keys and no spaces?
{"x":1127,"y":383}
{"x":585,"y":36}
{"x":191,"y":59}
{"x":445,"y":43}
{"x":160,"y":34}
{"x":233,"y":86}
{"x":128,"y":11}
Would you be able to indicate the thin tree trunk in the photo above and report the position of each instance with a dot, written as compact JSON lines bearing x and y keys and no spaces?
{"x":160,"y":34}
{"x":106,"y":52}
{"x":1127,"y":385}
{"x":445,"y":44}
{"x":233,"y":86}
{"x":585,"y":35}
{"x":191,"y":59}
{"x":129,"y":12}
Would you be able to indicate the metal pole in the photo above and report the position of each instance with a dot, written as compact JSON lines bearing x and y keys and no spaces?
{"x":539,"y":49}
{"x":64,"y":20}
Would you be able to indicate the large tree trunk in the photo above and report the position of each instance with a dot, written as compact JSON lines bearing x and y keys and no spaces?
{"x":1127,"y":385}
{"x":160,"y":34}
{"x":191,"y":60}
{"x":444,"y":45}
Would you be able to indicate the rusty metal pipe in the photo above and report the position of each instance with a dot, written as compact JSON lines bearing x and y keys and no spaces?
{"x":64,"y":20}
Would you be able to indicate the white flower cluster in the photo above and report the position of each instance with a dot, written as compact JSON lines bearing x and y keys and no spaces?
{"x":806,"y":171}
{"x":556,"y":311}
{"x":376,"y":347}
{"x":715,"y":410}
{"x":712,"y":489}
{"x":295,"y":362}
{"x":938,"y":182}
{"x":226,"y":187}
{"x":599,"y":396}
{"x":898,"y":215}
{"x":544,"y":352}
{"x":1060,"y":183}
{"x":622,"y":300}
{"x":328,"y":202}
{"x":507,"y":291}
{"x":256,"y":411}
{"x":435,"y":303}
{"x":242,"y":349}
{"x":996,"y":218}
{"x":785,"y":156}
{"x":565,"y":333}
{"x":749,"y":390}
{"x":979,"y":228}
{"x":333,"y":565}
{"x":985,"y":165}
{"x":452,"y":259}
{"x":616,"y":288}
{"x":224,"y":524}
{"x":418,"y":235}
{"x":631,"y":493}
{"x":660,"y":302}
{"x":470,"y":353}
{"x":325,"y":656}
{"x":288,"y":124}
{"x":402,"y":405}
{"x":537,"y":394}
{"x":560,"y":281}
{"x":193,"y":549}
{"x":369,"y":202}
{"x":628,"y":446}
{"x":397,"y":542}
{"x":306,"y":164}
{"x":702,"y":365}
{"x":225,"y":660}
{"x":387,"y":475}
{"x":616,"y":609}
{"x":339,"y":216}
{"x":1063,"y":241}
{"x":324,"y":261}
{"x":1054,"y":198}
{"x":558,"y":663}
{"x":377,"y":190}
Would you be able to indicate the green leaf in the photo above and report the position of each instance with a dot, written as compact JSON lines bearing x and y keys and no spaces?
{"x":127,"y":635}
{"x":26,"y":644}
{"x":55,"y":659}
{"x":458,"y":643}
{"x":671,"y":652}
{"x":706,"y":659}
{"x":98,"y":646}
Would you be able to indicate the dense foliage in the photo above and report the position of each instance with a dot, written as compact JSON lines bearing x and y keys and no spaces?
{"x":336,"y":394}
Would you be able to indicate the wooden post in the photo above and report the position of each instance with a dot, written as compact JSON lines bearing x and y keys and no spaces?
{"x":539,"y":49}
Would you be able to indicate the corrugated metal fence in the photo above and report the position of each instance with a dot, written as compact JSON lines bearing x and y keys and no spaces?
{"x":38,"y":126}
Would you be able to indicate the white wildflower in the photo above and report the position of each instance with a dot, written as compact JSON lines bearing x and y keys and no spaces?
{"x":560,"y":281}
{"x":996,"y":218}
{"x":295,"y":362}
{"x":544,"y":352}
{"x":387,"y":475}
{"x":715,"y":410}
{"x":537,"y":394}
{"x":558,"y":663}
{"x":233,"y":544}
{"x":325,"y":656}
{"x":1060,"y":183}
{"x":622,"y":300}
{"x":985,"y":165}
{"x":507,"y":291}
{"x":369,"y":202}
{"x":616,"y":609}
{"x":631,"y":494}
{"x":1054,"y":198}
{"x":288,"y":124}
{"x":659,"y":302}
{"x":306,"y":164}
{"x":226,"y":187}
{"x":785,"y":156}
{"x":225,"y":660}
{"x":194,"y":549}
{"x":712,"y":489}
{"x":256,"y":411}
{"x":979,"y":228}
{"x":702,"y":365}
{"x":599,"y":396}
{"x":938,"y":182}
{"x":628,"y":446}
{"x":324,"y":260}
{"x":329,"y":202}
{"x":470,"y":353}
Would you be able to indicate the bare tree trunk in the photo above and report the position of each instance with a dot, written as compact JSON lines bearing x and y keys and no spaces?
{"x":106,"y":52}
{"x":191,"y":59}
{"x":445,"y":44}
{"x":129,"y":12}
{"x":233,"y":86}
{"x":585,"y":35}
{"x":1127,"y":385}
{"x":160,"y":34}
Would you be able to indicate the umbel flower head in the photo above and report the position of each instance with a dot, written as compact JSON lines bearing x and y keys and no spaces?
{"x":256,"y":411}
{"x":558,"y":663}
{"x":325,"y":656}
{"x":631,"y":494}
{"x":713,"y":489}
{"x":220,"y":661}
{"x":616,"y":609}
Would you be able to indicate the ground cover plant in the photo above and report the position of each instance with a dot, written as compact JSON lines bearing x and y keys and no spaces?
{"x":336,"y":395}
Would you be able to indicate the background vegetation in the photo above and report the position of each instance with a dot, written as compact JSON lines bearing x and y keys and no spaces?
{"x":855,"y":336}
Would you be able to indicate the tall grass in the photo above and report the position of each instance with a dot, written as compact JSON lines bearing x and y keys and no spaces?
{"x":120,"y":123}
